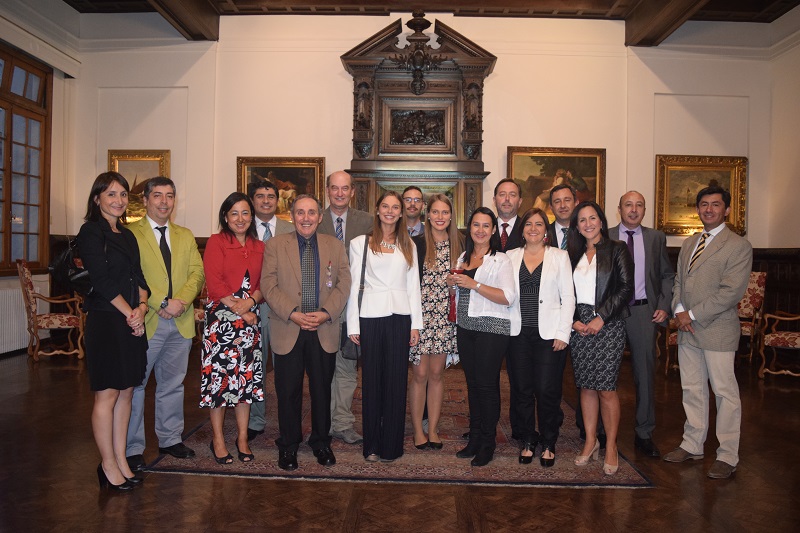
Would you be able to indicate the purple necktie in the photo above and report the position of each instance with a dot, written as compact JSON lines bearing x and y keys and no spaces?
{"x":630,"y":249}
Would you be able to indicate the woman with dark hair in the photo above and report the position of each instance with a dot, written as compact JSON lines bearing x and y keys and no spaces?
{"x":437,"y":250}
{"x":116,"y":347}
{"x":486,"y":293}
{"x":540,"y":328}
{"x":603,"y":278}
{"x":231,"y":353}
{"x":385,"y":324}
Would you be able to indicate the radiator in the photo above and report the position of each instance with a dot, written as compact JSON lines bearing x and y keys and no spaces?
{"x":14,"y":324}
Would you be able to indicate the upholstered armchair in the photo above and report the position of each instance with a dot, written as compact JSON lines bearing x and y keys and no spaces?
{"x":778,"y":339}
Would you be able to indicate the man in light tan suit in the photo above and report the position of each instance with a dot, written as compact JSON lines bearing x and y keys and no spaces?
{"x":264,"y":195}
{"x":306,"y":281}
{"x":712,"y":275}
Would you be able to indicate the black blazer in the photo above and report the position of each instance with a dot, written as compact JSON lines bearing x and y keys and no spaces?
{"x":615,"y":281}
{"x":112,"y":260}
{"x":419,"y":241}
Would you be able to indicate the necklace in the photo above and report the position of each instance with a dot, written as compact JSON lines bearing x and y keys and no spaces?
{"x":390,"y":246}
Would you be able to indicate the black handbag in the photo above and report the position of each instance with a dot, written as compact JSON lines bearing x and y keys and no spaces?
{"x":67,"y":269}
{"x":351,"y":350}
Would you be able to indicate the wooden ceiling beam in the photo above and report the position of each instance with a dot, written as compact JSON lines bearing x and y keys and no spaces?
{"x":652,"y":21}
{"x":196,"y":20}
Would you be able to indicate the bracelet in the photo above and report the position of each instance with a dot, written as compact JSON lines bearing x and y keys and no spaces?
{"x":145,"y":303}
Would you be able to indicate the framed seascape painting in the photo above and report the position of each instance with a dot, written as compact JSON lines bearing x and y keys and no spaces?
{"x":138,"y":166}
{"x":292,"y":175}
{"x":538,"y":170}
{"x":680,"y":177}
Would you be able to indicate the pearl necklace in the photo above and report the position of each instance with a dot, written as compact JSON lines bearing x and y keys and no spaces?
{"x":390,"y":246}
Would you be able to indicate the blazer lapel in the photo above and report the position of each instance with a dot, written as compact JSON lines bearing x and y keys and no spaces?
{"x":150,"y":238}
{"x":292,"y":251}
{"x":713,"y":247}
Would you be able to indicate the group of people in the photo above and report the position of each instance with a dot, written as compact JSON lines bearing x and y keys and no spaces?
{"x":516,"y":288}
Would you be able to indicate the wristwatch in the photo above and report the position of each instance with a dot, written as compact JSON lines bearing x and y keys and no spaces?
{"x":164,"y":302}
{"x":478,"y":286}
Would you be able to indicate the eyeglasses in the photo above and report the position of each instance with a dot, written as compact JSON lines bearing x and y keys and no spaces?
{"x":412,"y":200}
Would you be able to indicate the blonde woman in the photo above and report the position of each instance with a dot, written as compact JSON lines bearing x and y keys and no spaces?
{"x":438,"y":249}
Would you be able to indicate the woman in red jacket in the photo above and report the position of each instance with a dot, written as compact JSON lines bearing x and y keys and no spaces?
{"x":231,"y":352}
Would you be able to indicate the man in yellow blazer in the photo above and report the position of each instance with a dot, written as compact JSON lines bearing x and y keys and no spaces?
{"x":173,"y":269}
{"x":306,"y":282}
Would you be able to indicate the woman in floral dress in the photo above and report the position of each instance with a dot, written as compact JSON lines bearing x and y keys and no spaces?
{"x":437,"y":250}
{"x":231,"y":352}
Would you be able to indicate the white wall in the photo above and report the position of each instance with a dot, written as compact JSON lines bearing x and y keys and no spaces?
{"x":275,"y":86}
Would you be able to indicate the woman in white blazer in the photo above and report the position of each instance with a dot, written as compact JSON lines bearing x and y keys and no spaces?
{"x":486,"y":293}
{"x":541,"y":323}
{"x":385,"y":324}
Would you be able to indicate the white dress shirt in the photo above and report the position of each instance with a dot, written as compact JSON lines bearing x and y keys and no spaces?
{"x":262,"y":230}
{"x":496,"y":271}
{"x":585,"y":279}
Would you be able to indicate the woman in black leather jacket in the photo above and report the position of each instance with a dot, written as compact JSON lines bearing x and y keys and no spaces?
{"x":603,"y":275}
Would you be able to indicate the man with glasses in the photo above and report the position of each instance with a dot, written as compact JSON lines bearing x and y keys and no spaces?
{"x":413,"y":204}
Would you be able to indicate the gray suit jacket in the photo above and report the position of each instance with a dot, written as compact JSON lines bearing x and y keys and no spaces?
{"x":712,"y":289}
{"x":659,"y":275}
{"x":358,"y":223}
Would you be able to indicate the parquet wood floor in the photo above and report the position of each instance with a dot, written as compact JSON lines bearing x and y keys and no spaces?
{"x":48,"y":482}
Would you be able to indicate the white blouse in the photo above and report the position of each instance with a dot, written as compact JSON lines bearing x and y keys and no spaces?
{"x":585,"y":279}
{"x":496,"y":271}
{"x":391,"y":287}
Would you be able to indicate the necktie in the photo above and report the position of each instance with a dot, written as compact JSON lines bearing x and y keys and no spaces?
{"x":309,"y":296}
{"x":563,"y":238}
{"x":339,"y":232}
{"x":504,"y":236}
{"x":267,"y":232}
{"x":410,"y":232}
{"x":630,"y":249}
{"x":700,"y":247}
{"x":165,"y":253}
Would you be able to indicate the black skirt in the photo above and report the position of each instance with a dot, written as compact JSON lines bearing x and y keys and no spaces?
{"x":116,"y":359}
{"x":596,"y":358}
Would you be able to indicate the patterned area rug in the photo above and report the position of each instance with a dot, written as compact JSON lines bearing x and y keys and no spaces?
{"x":415,"y":466}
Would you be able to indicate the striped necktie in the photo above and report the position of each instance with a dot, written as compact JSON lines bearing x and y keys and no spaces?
{"x":339,"y":232}
{"x":267,"y":232}
{"x":564,"y":238}
{"x":700,"y":247}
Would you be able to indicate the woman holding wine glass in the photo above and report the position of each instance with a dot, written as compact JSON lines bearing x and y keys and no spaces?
{"x":437,"y":250}
{"x":486,"y":292}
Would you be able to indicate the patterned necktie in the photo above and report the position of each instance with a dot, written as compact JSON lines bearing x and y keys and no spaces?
{"x":410,"y":232}
{"x":339,"y":232}
{"x":267,"y":232}
{"x":165,"y":253}
{"x":309,"y":297}
{"x":504,"y":236}
{"x":564,"y":238}
{"x":630,"y":249}
{"x":700,"y":247}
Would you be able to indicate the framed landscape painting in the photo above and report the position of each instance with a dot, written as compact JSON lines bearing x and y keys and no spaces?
{"x":680,"y":177}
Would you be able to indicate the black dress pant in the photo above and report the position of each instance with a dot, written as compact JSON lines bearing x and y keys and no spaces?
{"x":307,"y":356}
{"x":536,"y":383}
{"x":384,"y":383}
{"x":481,"y":356}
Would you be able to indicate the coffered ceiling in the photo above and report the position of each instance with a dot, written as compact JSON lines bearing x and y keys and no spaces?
{"x":647,"y":22}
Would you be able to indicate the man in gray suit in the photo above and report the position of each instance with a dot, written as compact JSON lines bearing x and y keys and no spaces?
{"x":264,"y":195}
{"x":652,"y":297}
{"x":713,"y":271}
{"x":344,"y":223}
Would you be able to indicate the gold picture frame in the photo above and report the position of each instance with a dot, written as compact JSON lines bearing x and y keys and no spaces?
{"x":292,"y":176}
{"x":680,"y":177}
{"x":138,"y":166}
{"x":537,"y":170}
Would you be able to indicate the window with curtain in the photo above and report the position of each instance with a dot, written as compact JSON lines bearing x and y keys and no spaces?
{"x":25,"y":91}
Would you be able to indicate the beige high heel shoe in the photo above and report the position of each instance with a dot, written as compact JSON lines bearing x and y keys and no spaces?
{"x":608,"y":469}
{"x":583,"y":460}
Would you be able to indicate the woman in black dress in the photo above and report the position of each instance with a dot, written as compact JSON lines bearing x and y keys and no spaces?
{"x":116,"y":347}
{"x":603,"y":277}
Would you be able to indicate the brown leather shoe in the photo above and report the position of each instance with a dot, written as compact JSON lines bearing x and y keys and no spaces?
{"x":679,"y":455}
{"x":721,"y":470}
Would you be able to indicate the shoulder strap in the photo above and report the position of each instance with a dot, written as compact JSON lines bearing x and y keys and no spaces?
{"x":363,"y":270}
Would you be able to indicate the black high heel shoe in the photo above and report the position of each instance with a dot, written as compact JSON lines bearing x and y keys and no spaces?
{"x":436,"y":445}
{"x":244,"y":457}
{"x":424,"y":446}
{"x":106,"y":484}
{"x":228,"y":459}
{"x":547,"y":462}
{"x":527,"y":447}
{"x":135,"y":481}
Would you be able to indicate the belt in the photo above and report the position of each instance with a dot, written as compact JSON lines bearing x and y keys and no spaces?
{"x":638,"y":302}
